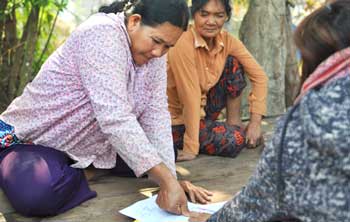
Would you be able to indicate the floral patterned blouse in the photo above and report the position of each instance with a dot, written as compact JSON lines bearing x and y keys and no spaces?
{"x":91,"y":101}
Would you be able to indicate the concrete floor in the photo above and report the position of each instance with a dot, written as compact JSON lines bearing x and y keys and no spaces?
{"x":223,"y":176}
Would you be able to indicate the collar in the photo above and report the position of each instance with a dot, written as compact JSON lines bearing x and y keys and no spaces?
{"x":199,"y":42}
{"x":336,"y":66}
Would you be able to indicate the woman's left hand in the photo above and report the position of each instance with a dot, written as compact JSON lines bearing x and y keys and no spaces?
{"x":253,"y":130}
{"x":253,"y":133}
{"x":198,"y":217}
{"x":195,"y":193}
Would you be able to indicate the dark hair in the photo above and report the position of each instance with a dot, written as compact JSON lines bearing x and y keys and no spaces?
{"x":153,"y":12}
{"x":199,"y":4}
{"x":322,"y":33}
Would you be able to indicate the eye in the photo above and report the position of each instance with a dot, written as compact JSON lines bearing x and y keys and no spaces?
{"x":156,"y":41}
{"x":203,"y":13}
{"x":221,"y":15}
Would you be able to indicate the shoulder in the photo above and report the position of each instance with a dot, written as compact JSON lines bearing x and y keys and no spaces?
{"x":186,"y":39}
{"x":184,"y":44}
{"x":103,"y":27}
{"x":229,"y":39}
{"x":327,"y":102}
{"x":184,"y":50}
{"x":102,"y":36}
{"x":99,"y":20}
{"x":325,"y":115}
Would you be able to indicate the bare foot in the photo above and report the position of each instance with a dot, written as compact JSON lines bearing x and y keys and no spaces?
{"x":183,"y":156}
{"x":92,"y":173}
{"x":236,"y":123}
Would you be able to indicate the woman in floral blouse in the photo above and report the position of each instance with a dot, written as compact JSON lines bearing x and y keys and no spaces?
{"x":304,"y":172}
{"x":99,"y":100}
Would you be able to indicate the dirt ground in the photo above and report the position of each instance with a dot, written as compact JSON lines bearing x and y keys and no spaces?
{"x":223,"y":176}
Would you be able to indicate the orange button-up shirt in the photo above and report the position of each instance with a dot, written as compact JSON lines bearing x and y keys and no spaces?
{"x":193,"y":70}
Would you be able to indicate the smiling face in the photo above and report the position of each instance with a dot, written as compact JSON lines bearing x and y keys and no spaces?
{"x":209,"y":20}
{"x":150,"y":42}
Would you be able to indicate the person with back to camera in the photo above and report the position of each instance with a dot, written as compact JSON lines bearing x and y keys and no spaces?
{"x":98,"y":100}
{"x":304,"y":172}
{"x":205,"y":75}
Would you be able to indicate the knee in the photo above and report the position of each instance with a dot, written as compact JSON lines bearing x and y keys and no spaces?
{"x":37,"y":200}
{"x":237,"y":138}
{"x":234,"y":65}
{"x":32,"y":188}
{"x":232,"y":143}
{"x":234,"y":77}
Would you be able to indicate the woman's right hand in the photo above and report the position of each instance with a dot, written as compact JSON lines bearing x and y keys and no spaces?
{"x":171,"y":196}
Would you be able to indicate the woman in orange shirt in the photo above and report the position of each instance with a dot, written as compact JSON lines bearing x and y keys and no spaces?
{"x":205,"y":75}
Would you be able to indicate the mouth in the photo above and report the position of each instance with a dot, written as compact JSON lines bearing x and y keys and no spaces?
{"x":210,"y":29}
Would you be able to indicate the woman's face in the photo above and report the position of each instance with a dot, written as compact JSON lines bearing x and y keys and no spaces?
{"x":208,"y":20}
{"x":150,"y":42}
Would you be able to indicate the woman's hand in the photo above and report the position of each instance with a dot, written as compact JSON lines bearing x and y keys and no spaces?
{"x":171,"y":196}
{"x":198,"y":217}
{"x":253,"y":130}
{"x":196,"y":193}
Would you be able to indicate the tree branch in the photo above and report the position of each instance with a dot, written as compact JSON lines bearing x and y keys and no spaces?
{"x":37,"y":63}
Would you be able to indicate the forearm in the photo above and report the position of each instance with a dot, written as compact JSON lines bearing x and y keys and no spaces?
{"x":253,"y":130}
{"x":192,"y":123}
{"x":255,"y":118}
{"x":161,"y":174}
{"x":161,"y":138}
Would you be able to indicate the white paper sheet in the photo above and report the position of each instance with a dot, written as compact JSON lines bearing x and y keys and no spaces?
{"x":148,"y":211}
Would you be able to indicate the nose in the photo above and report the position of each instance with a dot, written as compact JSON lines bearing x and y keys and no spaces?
{"x":211,"y":20}
{"x":158,"y":51}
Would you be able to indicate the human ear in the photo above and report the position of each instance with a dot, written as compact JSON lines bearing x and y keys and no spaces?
{"x":134,"y":21}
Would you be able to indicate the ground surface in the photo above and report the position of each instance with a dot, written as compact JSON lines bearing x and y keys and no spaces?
{"x":223,"y":176}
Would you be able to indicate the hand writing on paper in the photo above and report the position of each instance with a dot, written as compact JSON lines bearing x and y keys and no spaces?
{"x":172,"y":198}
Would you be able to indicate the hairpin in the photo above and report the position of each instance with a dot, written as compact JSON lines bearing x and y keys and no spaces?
{"x":128,"y":5}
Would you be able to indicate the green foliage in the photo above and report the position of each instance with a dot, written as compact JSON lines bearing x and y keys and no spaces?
{"x":26,"y":30}
{"x":244,"y":3}
{"x":48,"y":13}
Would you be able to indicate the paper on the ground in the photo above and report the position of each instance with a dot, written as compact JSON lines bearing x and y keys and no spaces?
{"x":148,"y":211}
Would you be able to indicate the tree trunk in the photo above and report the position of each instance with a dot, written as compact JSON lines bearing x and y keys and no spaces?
{"x":292,"y":72}
{"x":3,"y":5}
{"x":10,"y":45}
{"x":17,"y":55}
{"x":30,"y":37}
{"x":264,"y":33}
{"x":3,"y":80}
